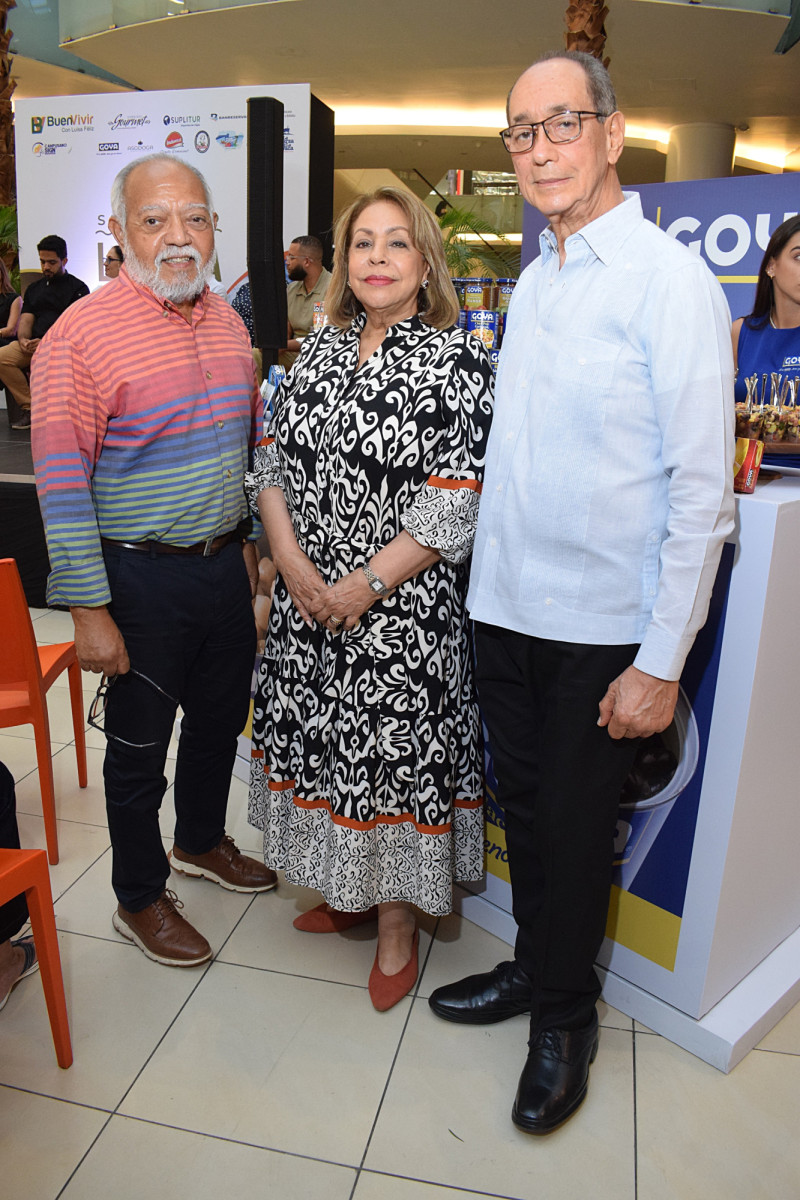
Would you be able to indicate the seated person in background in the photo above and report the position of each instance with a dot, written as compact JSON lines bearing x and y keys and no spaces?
{"x":309,"y":283}
{"x":112,"y":262}
{"x":10,"y":307}
{"x":17,"y":958}
{"x":44,"y":302}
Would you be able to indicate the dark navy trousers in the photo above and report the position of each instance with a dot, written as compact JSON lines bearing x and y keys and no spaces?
{"x":188,"y":625}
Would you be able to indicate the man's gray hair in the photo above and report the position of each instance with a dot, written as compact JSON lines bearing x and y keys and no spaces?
{"x":118,"y":186}
{"x":598,"y":80}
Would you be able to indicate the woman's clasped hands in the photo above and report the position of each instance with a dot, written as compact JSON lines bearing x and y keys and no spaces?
{"x":337,"y":607}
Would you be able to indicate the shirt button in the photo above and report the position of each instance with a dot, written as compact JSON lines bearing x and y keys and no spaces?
{"x":221,"y":424}
{"x":499,"y":487}
{"x":549,"y":600}
{"x":166,"y":312}
{"x":208,"y":374}
{"x":493,"y":541}
{"x":539,"y":332}
{"x":229,"y":474}
{"x":509,"y":437}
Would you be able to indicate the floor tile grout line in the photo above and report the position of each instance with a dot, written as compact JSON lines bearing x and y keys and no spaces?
{"x":453,"y":1187}
{"x":28,"y":1091}
{"x":230,"y":1141}
{"x":414,"y":999}
{"x":78,"y":878}
{"x":84,"y":1156}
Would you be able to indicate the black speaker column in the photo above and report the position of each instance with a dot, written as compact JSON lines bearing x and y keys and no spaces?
{"x":265,"y":223}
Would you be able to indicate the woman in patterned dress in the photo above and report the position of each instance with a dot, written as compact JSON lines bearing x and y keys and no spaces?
{"x":367,"y":761}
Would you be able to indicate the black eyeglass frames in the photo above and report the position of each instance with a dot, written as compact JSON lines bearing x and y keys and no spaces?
{"x":560,"y":128}
{"x":98,"y":707}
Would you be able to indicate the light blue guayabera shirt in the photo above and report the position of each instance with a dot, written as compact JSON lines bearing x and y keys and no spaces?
{"x":608,"y":486}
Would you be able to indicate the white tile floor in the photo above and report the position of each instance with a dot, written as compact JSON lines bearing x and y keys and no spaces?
{"x":268,"y":1074}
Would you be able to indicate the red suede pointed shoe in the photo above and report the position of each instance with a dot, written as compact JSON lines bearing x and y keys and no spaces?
{"x":386,"y":990}
{"x":324,"y":919}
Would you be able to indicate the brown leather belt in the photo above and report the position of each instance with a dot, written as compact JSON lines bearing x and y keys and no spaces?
{"x":207,"y":549}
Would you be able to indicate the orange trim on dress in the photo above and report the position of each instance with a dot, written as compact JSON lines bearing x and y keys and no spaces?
{"x":451,"y":484}
{"x":348,"y":823}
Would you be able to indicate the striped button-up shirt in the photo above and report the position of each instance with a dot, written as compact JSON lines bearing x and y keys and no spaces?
{"x":143,"y":425}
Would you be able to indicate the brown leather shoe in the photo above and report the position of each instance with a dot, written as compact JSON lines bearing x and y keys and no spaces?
{"x":162,"y":933}
{"x":226,"y":865}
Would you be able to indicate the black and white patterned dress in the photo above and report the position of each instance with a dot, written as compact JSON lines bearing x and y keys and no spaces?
{"x":367,"y":773}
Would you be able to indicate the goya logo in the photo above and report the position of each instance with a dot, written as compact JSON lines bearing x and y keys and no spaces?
{"x":37,"y":124}
{"x":108,"y":147}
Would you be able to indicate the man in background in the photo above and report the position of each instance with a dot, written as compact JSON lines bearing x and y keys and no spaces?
{"x":43,"y":303}
{"x":146,"y":413}
{"x":308,"y":284}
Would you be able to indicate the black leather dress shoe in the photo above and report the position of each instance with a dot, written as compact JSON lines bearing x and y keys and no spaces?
{"x":484,"y":999}
{"x":555,"y":1078}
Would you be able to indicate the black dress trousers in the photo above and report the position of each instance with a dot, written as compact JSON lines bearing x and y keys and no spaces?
{"x":559,"y":778}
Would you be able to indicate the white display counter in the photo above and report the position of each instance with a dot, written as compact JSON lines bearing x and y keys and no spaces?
{"x":703,"y":940}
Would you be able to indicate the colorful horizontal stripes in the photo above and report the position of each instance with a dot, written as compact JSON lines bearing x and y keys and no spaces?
{"x":142,"y":429}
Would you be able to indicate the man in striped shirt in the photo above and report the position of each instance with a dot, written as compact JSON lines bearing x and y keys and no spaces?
{"x":146,"y":411}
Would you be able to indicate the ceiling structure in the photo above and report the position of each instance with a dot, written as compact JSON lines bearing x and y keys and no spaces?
{"x":421,"y":85}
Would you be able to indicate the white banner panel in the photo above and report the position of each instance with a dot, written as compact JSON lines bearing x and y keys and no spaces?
{"x":68,"y":150}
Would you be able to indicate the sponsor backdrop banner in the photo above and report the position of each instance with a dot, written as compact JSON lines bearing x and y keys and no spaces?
{"x":726,"y":221}
{"x":68,"y":150}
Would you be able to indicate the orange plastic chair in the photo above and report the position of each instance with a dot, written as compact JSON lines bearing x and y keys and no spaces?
{"x":27,"y":672}
{"x":26,"y":871}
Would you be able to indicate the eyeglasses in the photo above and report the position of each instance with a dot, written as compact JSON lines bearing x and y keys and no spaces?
{"x":108,"y":259}
{"x":561,"y":128}
{"x":97,"y":708}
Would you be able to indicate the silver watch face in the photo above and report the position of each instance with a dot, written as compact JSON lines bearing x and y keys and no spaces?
{"x":376,"y":586}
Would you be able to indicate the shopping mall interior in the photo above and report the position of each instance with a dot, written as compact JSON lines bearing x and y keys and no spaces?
{"x":266,"y":1071}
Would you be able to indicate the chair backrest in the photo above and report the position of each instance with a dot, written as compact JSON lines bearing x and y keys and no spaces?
{"x":19,"y":658}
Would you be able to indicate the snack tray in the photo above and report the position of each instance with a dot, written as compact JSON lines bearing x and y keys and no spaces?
{"x":781,"y":447}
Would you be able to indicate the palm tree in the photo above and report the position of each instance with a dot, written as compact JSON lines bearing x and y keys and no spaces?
{"x":464,"y":257}
{"x":7,"y":85}
{"x":585,"y":28}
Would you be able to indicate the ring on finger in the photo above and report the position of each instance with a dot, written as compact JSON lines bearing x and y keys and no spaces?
{"x":335,"y":621}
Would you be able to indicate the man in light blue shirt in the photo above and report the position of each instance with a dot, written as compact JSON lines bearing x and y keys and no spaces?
{"x":606,"y":500}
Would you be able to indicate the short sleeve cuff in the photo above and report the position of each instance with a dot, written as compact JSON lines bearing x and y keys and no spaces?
{"x":444,"y":516}
{"x":266,"y":473}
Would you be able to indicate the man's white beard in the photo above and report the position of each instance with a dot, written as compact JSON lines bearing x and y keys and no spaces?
{"x":178,"y":290}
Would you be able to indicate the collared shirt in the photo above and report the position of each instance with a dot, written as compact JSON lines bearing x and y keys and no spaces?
{"x":608,"y":486}
{"x":47,"y":298}
{"x":143,"y":426}
{"x":300,"y":303}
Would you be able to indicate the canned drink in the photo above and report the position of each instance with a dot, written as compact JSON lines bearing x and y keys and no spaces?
{"x":483,"y":323}
{"x":473,"y":293}
{"x":505,"y":290}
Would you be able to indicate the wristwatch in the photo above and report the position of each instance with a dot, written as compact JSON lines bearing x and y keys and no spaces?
{"x":377,"y":585}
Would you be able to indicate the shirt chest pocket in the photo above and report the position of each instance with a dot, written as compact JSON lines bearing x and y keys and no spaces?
{"x":585,"y":365}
